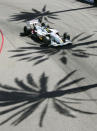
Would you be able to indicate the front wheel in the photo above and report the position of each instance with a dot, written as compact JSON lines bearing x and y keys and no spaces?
{"x":66,"y":36}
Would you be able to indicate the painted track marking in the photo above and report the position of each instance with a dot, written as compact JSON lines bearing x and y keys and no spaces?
{"x":2,"y":37}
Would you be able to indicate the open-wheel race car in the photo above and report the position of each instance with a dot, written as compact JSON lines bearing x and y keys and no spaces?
{"x":48,"y":36}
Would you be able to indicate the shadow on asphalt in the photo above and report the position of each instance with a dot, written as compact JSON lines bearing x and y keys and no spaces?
{"x":37,"y":54}
{"x":27,"y":53}
{"x":43,"y":15}
{"x":28,"y":96}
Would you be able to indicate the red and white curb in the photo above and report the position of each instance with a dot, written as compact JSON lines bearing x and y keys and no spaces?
{"x":2,"y":40}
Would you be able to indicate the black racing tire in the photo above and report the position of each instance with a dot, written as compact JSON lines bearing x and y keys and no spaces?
{"x":27,"y":31}
{"x":66,"y":36}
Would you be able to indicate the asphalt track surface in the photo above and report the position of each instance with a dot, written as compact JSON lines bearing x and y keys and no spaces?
{"x":45,"y":88}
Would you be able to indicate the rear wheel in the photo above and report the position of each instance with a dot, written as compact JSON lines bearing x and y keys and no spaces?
{"x":27,"y":31}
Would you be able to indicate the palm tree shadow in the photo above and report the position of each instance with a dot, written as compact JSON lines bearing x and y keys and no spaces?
{"x":35,"y":52}
{"x":79,"y":49}
{"x":39,"y":54}
{"x":43,"y":15}
{"x":26,"y":99}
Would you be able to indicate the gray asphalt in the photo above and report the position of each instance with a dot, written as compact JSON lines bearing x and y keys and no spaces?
{"x":65,"y":97}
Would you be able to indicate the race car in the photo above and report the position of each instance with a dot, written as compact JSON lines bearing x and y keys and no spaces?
{"x":45,"y":34}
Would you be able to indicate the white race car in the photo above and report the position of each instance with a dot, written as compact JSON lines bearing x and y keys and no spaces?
{"x":47,"y":35}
